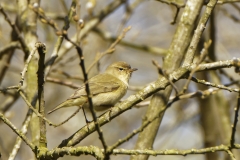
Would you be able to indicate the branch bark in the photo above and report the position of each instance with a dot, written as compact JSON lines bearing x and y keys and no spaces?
{"x":171,"y":62}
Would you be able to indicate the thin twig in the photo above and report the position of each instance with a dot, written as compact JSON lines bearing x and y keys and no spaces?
{"x":65,"y":83}
{"x":8,"y":88}
{"x":129,"y":9}
{"x":160,"y":71}
{"x":19,"y":133}
{"x":58,"y":44}
{"x":231,"y":16}
{"x":198,"y":32}
{"x":205,"y":93}
{"x":215,"y":85}
{"x":66,"y":74}
{"x":57,"y":125}
{"x":79,"y":50}
{"x":149,"y":49}
{"x":16,"y":30}
{"x":236,"y":6}
{"x":88,"y":27}
{"x":10,"y":46}
{"x":43,"y":18}
{"x":234,"y":126}
{"x":199,"y":93}
{"x":176,"y":4}
{"x":204,"y":53}
{"x":175,"y":16}
{"x":8,"y":102}
{"x":19,"y":140}
{"x":227,"y":1}
{"x":32,"y":108}
{"x":229,"y":152}
{"x":110,"y":49}
{"x":26,"y":66}
{"x":163,"y":73}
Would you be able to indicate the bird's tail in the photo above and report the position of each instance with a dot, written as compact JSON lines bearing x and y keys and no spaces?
{"x":70,"y":103}
{"x":62,"y":105}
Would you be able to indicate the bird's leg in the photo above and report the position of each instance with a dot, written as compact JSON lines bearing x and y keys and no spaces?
{"x":109,"y":114}
{"x":104,"y":107}
{"x":87,"y":121}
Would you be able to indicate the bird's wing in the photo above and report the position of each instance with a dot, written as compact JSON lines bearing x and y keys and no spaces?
{"x":101,"y":86}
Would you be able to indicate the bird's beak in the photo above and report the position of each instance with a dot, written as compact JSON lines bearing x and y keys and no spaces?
{"x":132,"y":70}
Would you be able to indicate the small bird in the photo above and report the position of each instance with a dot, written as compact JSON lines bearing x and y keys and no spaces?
{"x":106,"y":88}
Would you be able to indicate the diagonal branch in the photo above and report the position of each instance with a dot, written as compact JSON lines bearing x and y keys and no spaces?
{"x":144,"y":93}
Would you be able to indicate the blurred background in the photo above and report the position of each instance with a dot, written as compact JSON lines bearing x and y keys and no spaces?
{"x":151,"y":34}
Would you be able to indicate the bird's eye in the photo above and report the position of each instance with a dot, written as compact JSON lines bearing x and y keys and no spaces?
{"x":120,"y":69}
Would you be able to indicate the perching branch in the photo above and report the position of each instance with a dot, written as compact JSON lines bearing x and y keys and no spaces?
{"x":141,"y":95}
